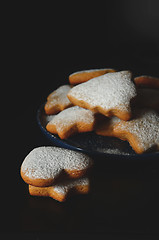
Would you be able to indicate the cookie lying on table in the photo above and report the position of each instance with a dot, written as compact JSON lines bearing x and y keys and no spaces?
{"x":109,"y":94}
{"x":57,"y":100}
{"x":70,"y":121}
{"x":61,"y":191}
{"x":45,"y":165}
{"x":85,"y":75}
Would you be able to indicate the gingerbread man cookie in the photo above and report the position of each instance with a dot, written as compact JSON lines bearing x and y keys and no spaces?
{"x":84,"y":76}
{"x":43,"y":165}
{"x":70,"y":121}
{"x":109,"y":94}
{"x":57,"y":100}
{"x":147,"y":81}
{"x":142,"y":132}
{"x":62,"y":190}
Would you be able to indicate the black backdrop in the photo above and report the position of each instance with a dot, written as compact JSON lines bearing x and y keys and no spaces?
{"x":43,"y":44}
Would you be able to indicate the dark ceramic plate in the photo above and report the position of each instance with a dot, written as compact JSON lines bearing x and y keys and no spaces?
{"x":92,"y":143}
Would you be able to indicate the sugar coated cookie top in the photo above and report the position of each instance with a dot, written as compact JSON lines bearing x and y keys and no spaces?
{"x":60,"y":95}
{"x":72,"y":115}
{"x":65,"y":186}
{"x":47,"y":162}
{"x":145,"y":127}
{"x":109,"y":91}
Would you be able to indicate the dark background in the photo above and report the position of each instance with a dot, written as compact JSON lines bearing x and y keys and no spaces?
{"x":43,"y":44}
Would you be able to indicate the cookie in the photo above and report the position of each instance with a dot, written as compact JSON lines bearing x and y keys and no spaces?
{"x":109,"y":94}
{"x":43,"y":165}
{"x":147,"y":82}
{"x":147,"y":98}
{"x":57,"y":100}
{"x":142,"y":132}
{"x":61,"y":191}
{"x":71,"y":121}
{"x":106,"y":126}
{"x":84,"y":76}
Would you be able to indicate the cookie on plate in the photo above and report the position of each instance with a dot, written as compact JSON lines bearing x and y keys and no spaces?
{"x":85,"y":75}
{"x":61,"y":191}
{"x":147,"y":81}
{"x":106,"y":126}
{"x":44,"y":165}
{"x":147,"y":98}
{"x":142,"y":132}
{"x":71,"y":121}
{"x":57,"y":100}
{"x":110,"y":94}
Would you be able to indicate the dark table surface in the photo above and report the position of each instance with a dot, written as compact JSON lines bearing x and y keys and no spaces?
{"x":123,"y":200}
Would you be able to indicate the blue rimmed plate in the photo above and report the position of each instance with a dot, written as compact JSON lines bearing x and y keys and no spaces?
{"x":92,"y":143}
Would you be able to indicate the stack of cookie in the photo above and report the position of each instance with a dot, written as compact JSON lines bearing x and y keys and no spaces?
{"x":56,"y":172}
{"x":110,"y":103}
{"x":105,"y":101}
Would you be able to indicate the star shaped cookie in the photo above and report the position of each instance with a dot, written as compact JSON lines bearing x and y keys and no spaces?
{"x":70,"y":121}
{"x":57,"y":100}
{"x":109,"y":94}
{"x":62,"y":190}
{"x":142,"y":132}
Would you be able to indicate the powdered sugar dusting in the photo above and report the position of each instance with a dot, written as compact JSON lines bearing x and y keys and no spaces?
{"x":49,"y":118}
{"x":64,"y":187}
{"x":145,"y":127}
{"x":114,"y":120}
{"x":70,"y":116}
{"x":112,"y":151}
{"x":109,"y":91}
{"x":48,"y":162}
{"x":59,"y":96}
